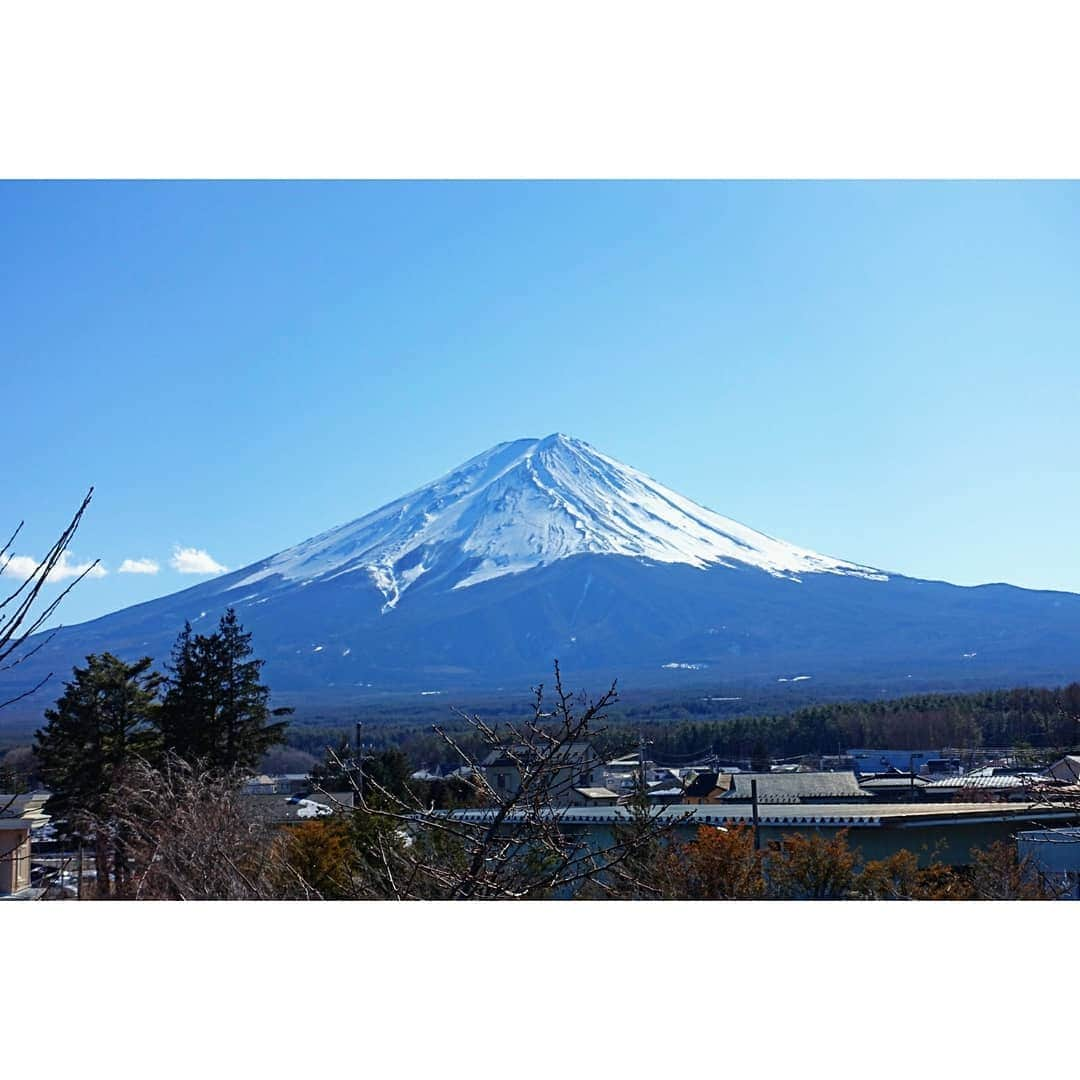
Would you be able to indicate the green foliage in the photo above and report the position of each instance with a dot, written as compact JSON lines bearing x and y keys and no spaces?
{"x":760,"y":760}
{"x":100,"y":724}
{"x":388,"y":771}
{"x":101,"y":727}
{"x":216,"y":708}
{"x":1039,"y":721}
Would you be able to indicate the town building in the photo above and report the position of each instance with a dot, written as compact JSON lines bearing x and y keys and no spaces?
{"x":21,"y":816}
{"x":933,"y":832}
{"x":572,"y":766}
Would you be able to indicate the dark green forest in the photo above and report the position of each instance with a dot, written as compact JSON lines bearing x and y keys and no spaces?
{"x":1043,"y":719}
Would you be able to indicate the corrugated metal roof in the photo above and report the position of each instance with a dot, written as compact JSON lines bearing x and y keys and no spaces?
{"x":959,"y":783}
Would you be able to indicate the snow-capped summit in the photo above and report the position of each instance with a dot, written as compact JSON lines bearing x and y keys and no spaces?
{"x":530,"y":503}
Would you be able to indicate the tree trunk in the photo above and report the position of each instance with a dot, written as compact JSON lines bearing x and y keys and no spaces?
{"x":101,"y":864}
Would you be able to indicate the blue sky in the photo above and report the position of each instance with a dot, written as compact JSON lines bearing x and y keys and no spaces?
{"x":885,"y":372}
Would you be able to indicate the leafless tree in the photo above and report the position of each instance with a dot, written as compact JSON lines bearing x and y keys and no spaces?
{"x":186,"y":837}
{"x":520,"y":845}
{"x":1061,"y":791}
{"x":22,"y":612}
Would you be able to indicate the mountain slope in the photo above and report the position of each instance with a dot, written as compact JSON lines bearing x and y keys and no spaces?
{"x":545,"y":548}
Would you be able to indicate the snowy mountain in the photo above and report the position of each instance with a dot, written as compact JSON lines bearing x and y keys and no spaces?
{"x":545,"y":548}
{"x":527,"y":504}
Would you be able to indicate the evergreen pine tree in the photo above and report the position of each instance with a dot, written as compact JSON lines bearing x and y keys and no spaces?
{"x":246,"y":730}
{"x":100,"y":724}
{"x":216,"y":708}
{"x":185,"y":709}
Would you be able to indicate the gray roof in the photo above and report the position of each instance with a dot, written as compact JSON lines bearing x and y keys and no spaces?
{"x":28,"y":806}
{"x":796,"y":787}
{"x":574,"y":752}
{"x":894,"y":783}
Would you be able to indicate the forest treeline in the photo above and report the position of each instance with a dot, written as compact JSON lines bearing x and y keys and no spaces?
{"x":1040,"y":718}
{"x":1034,"y":717}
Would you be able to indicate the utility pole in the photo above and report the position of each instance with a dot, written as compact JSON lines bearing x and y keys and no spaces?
{"x":911,"y":774}
{"x":754,"y":811}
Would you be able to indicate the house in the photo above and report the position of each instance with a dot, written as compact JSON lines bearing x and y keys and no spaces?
{"x":280,"y":784}
{"x":20,"y":817}
{"x":593,"y":796}
{"x":572,"y":765}
{"x":706,"y":787}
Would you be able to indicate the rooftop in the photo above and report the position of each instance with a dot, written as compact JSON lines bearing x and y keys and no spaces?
{"x":796,"y":787}
{"x":845,"y":815}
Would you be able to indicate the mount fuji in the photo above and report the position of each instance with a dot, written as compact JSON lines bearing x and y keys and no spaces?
{"x":544,"y":548}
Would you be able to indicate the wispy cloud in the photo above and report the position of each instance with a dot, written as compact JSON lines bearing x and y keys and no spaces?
{"x":19,"y":567}
{"x":195,"y":561}
{"x":139,"y":566}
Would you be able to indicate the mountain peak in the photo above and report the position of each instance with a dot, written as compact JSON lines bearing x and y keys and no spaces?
{"x":526,"y":504}
{"x":557,"y":438}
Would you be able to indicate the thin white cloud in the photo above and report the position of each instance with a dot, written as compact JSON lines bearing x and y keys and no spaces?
{"x":139,"y":566}
{"x":195,"y":561}
{"x":65,"y":568}
{"x":20,"y":567}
